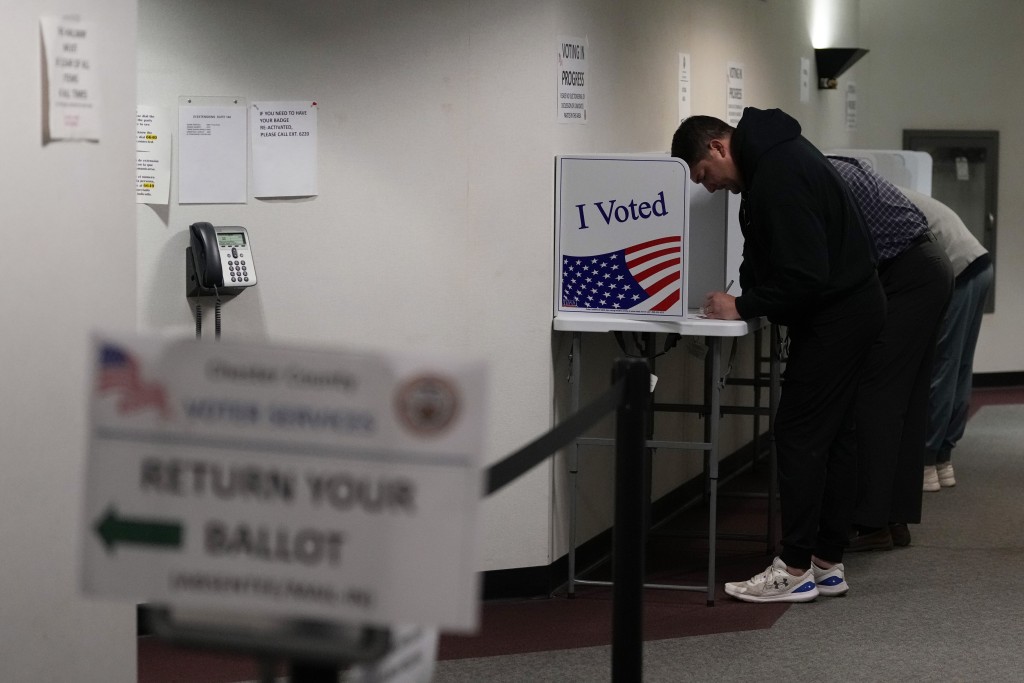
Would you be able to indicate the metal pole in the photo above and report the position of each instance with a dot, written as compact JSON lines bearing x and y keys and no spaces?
{"x":313,"y":672}
{"x":773,"y":459}
{"x":629,"y":530}
{"x":575,"y":380}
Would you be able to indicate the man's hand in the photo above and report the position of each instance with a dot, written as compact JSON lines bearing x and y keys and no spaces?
{"x":720,"y":306}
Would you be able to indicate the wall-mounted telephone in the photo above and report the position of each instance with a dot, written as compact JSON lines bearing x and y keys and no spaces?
{"x":218,"y":260}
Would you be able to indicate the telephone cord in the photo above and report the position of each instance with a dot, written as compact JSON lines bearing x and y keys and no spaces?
{"x":216,"y":314}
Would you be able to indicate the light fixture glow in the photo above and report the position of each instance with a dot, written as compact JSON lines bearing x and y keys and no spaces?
{"x":823,"y":23}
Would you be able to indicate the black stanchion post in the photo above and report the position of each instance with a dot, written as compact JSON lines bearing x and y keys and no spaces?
{"x":313,"y":672}
{"x":629,"y":530}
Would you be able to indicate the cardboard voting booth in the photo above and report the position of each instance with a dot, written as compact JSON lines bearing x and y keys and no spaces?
{"x":636,"y":238}
{"x":620,"y":235}
{"x":901,"y":167}
{"x":716,"y":243}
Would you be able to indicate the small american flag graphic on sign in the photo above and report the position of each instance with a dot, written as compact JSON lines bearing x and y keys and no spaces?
{"x":119,"y":374}
{"x":645,"y":277}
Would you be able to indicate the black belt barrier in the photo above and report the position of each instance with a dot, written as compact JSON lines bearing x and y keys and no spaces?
{"x":629,"y":394}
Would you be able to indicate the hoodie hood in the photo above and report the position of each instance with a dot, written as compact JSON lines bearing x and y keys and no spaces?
{"x":759,"y":131}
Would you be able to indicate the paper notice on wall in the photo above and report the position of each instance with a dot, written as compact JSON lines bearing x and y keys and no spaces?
{"x":212,"y":155}
{"x":152,"y":156}
{"x":851,"y":106}
{"x":805,"y":80}
{"x":684,"y":85}
{"x":572,"y":80}
{"x":734,"y":92}
{"x":72,"y":85}
{"x":284,"y":156}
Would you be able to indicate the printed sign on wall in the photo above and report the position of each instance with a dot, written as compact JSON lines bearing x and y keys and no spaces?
{"x":572,"y":79}
{"x":620,"y":235}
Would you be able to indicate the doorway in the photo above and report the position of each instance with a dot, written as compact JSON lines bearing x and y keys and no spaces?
{"x":965,"y":174}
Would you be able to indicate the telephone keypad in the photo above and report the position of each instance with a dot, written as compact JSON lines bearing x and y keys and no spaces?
{"x":236,"y":268}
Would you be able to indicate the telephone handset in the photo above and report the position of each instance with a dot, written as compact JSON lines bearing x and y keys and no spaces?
{"x":221,"y":260}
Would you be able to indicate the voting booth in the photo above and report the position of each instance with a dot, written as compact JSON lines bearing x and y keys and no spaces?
{"x":637,"y":247}
{"x":636,"y":238}
{"x":620,"y":237}
{"x":716,"y":241}
{"x":901,"y":167}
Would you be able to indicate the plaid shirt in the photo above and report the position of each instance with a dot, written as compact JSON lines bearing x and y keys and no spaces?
{"x":893,"y":221}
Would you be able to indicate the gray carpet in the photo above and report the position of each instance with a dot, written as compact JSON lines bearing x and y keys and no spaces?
{"x":948,"y":608}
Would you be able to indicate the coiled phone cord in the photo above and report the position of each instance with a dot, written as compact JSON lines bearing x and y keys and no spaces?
{"x":216,"y":316}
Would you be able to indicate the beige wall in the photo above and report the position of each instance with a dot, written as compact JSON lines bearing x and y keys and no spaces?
{"x":437,"y":126}
{"x":69,"y":262}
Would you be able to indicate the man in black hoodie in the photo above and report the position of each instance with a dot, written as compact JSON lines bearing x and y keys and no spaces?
{"x":809,"y":264}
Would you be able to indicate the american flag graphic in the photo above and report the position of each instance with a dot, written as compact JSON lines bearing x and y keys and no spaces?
{"x":644,"y":277}
{"x":119,"y":374}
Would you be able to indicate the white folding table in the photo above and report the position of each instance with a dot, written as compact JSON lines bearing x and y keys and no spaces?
{"x":693,"y":326}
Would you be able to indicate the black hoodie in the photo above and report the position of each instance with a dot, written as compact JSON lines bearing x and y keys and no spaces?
{"x":805,"y":246}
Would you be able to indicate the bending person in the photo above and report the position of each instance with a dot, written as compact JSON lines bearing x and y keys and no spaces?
{"x":950,"y":395}
{"x":892,"y":399}
{"x":807,"y":263}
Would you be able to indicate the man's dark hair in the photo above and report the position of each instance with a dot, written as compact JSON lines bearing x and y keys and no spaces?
{"x":690,"y":143}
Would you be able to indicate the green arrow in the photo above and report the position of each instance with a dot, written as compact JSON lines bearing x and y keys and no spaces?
{"x":159,"y":533}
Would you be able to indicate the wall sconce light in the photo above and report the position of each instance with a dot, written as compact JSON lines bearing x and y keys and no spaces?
{"x":833,"y":61}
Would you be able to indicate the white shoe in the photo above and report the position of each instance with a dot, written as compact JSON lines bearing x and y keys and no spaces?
{"x":832,"y":581}
{"x":775,"y":584}
{"x":931,"y":479}
{"x":945,"y":472}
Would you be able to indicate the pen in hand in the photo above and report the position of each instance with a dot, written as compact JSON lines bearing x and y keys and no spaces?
{"x":707,"y":309}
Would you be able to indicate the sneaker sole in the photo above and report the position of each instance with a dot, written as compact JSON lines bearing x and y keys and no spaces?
{"x":833,"y":591}
{"x":803,"y":596}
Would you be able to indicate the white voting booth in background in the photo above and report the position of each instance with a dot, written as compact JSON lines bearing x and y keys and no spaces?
{"x":901,"y":167}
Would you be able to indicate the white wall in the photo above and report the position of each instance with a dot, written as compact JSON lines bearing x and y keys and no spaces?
{"x":955,"y":65}
{"x":69,"y":259}
{"x":433,"y":228}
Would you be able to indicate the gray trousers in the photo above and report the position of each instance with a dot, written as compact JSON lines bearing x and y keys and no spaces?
{"x":951,"y":378}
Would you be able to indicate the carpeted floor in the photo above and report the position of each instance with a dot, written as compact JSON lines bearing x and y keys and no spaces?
{"x":947,"y":608}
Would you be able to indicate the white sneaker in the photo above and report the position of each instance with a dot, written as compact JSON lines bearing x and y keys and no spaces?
{"x":832,"y":581}
{"x":931,"y":479}
{"x":945,"y":472}
{"x":775,"y":584}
